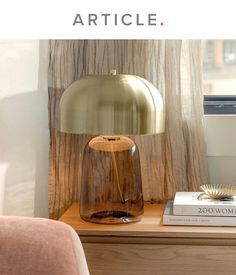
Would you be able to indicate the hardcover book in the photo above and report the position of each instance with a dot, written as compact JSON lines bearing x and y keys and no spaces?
{"x":170,"y":219}
{"x":187,"y":203}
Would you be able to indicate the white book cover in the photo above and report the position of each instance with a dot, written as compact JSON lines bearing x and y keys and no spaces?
{"x":170,"y":219}
{"x":187,"y":203}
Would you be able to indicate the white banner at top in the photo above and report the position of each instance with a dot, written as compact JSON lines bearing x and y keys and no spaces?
{"x":120,"y":19}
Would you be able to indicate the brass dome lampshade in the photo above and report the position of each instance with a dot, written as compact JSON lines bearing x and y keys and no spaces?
{"x":111,"y":107}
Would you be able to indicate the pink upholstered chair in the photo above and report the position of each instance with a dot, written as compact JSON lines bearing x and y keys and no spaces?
{"x":35,"y":246}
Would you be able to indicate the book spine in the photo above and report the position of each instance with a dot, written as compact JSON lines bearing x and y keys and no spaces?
{"x":205,"y":210}
{"x":198,"y":220}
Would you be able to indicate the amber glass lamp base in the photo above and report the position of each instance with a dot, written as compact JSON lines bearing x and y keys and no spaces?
{"x":111,"y":186}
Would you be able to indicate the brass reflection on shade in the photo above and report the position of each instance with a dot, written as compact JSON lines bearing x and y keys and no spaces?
{"x":112,"y":105}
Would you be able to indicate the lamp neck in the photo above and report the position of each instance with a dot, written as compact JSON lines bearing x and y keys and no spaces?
{"x":111,"y":143}
{"x":111,"y":138}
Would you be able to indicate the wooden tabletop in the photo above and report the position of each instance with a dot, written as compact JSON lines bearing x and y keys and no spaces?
{"x":149,"y":227}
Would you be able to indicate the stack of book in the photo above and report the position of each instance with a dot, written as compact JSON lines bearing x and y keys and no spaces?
{"x":187,"y":209}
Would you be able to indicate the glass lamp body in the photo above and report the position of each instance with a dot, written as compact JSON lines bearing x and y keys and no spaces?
{"x":111,"y":186}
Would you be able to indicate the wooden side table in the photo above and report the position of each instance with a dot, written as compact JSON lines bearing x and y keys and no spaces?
{"x":147,"y":247}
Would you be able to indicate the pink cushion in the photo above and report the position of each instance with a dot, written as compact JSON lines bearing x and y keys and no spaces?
{"x":31,"y":246}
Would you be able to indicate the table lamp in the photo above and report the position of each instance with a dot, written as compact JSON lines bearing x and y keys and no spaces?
{"x":111,"y":107}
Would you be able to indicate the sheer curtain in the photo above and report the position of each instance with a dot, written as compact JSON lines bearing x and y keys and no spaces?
{"x":175,"y":160}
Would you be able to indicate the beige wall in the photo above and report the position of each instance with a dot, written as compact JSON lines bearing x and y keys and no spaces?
{"x":23,"y":127}
{"x":221,"y":148}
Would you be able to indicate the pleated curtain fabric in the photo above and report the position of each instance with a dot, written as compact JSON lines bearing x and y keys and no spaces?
{"x":170,"y":162}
